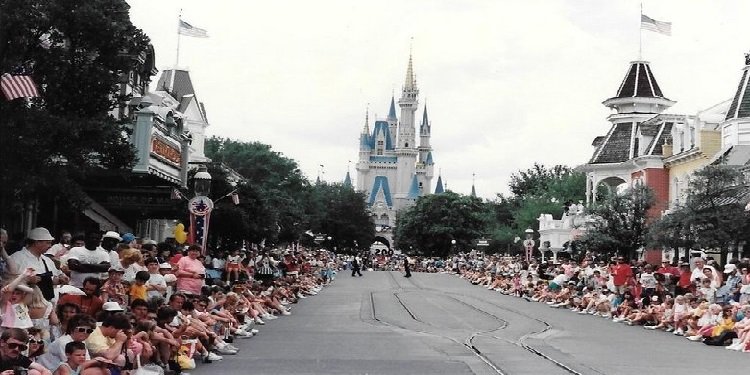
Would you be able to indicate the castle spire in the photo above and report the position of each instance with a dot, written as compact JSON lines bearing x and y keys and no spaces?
{"x":392,"y":110}
{"x":425,"y":126}
{"x":410,"y":83}
{"x":439,"y":186}
{"x":366,"y":130}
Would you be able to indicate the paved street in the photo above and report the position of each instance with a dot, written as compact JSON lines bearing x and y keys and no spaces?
{"x":383,"y":323}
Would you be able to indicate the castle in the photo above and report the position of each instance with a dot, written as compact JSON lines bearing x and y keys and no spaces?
{"x":392,"y":169}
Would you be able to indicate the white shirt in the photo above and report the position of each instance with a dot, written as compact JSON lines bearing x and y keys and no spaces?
{"x":156,"y":279}
{"x":25,"y":259}
{"x":86,"y":256}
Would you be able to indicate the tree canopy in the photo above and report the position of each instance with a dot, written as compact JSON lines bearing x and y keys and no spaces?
{"x":435,"y":220}
{"x":712,"y":216}
{"x":620,"y":222}
{"x":49,"y":143}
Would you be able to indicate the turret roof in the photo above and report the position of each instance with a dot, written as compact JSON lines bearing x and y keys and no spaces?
{"x":392,"y":110}
{"x":639,"y":82}
{"x":414,"y":189}
{"x":428,"y":160}
{"x":439,"y":186}
{"x":740,"y":107}
{"x":348,"y":180}
{"x":425,"y":126}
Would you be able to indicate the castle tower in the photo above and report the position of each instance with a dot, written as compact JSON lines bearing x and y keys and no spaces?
{"x":406,"y":148}
{"x":393,"y":120}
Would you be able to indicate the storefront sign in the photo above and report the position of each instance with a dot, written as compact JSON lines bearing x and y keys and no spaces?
{"x":165,"y":151}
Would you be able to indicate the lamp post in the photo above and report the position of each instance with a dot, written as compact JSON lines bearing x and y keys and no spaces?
{"x":453,"y":246}
{"x":200,"y":208}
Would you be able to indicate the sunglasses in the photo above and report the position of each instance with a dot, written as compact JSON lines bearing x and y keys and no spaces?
{"x":17,"y":346}
{"x":84,"y":329}
{"x":33,"y":341}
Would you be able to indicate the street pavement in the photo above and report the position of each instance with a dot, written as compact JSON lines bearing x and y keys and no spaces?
{"x":383,"y":323}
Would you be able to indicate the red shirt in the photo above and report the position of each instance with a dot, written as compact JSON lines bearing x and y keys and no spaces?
{"x":89,"y":305}
{"x":621,"y":273}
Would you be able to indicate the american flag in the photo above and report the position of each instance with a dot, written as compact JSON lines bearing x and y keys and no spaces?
{"x":190,"y":30}
{"x":176,"y":194}
{"x":18,"y":86}
{"x":199,"y":229}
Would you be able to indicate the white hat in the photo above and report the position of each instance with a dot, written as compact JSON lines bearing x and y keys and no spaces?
{"x":729,"y":268}
{"x":165,"y":266}
{"x":40,"y":234}
{"x":116,"y":269}
{"x":70,"y":289}
{"x":112,"y":234}
{"x":111,"y":306}
{"x":170,"y":278}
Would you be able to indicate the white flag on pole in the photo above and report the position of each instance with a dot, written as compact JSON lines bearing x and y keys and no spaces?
{"x":650,"y":24}
{"x":190,"y":30}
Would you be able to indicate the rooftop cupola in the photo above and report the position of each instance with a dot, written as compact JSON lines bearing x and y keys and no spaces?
{"x":639,"y":92}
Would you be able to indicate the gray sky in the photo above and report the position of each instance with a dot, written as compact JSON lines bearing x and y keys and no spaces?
{"x":507,"y":83}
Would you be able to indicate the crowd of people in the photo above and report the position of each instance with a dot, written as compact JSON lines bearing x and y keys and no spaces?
{"x":697,"y":298}
{"x":96,"y":304}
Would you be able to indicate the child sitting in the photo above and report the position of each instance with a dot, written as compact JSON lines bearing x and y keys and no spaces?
{"x":138,"y":289}
{"x":76,"y":363}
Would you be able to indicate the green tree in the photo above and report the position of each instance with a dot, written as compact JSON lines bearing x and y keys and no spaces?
{"x":435,"y":220}
{"x":538,"y":190}
{"x":713,"y":216}
{"x":273,"y":189}
{"x":49,"y":143}
{"x":338,"y":211}
{"x":620,"y":223}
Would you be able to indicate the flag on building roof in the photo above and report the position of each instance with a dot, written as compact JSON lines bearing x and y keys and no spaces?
{"x":648,"y":23}
{"x":190,"y":30}
{"x":18,"y":86}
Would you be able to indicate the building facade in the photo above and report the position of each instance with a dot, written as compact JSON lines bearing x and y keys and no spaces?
{"x":395,"y":164}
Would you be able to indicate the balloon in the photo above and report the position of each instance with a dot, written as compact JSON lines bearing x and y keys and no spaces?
{"x":179,"y":233}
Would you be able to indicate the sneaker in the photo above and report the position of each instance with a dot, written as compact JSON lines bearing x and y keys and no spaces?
{"x":270,"y":317}
{"x":679,"y":332}
{"x":670,"y":329}
{"x":582,"y":312}
{"x":225,"y":351}
{"x":695,"y":338}
{"x":208,"y":358}
{"x":254,"y":331}
{"x":258,"y":320}
{"x":286,"y":313}
{"x":650,"y":327}
{"x":243,"y":334}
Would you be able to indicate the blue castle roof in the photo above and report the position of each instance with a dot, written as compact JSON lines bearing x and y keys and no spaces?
{"x":381,"y":182}
{"x":380,"y":127}
{"x":414,"y":189}
{"x":439,"y":186}
{"x":392,"y":111}
{"x":348,"y":180}
{"x":428,"y":160}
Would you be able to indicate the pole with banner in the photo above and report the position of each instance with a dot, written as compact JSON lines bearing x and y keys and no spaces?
{"x":200,"y":208}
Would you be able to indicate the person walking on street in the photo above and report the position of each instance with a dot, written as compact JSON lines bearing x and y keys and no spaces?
{"x":356,"y":265}
{"x":407,"y":271}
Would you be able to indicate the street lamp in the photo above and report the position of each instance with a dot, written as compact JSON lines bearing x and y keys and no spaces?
{"x":200,"y":208}
{"x":453,"y":246}
{"x":202,"y":182}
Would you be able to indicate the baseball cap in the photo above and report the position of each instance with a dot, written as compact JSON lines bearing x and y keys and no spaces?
{"x":729,"y":268}
{"x":128,"y":237}
{"x":70,"y":289}
{"x":112,"y":234}
{"x":111,"y":306}
{"x":40,"y":234}
{"x":165,"y":266}
{"x":116,"y":269}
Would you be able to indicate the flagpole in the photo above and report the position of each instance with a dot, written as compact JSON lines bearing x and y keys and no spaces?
{"x":177,"y":57}
{"x":640,"y":35}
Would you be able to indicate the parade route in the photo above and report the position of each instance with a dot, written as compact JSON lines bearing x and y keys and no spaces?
{"x":383,"y":323}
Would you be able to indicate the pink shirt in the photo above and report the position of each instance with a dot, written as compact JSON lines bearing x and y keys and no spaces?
{"x":187,"y":284}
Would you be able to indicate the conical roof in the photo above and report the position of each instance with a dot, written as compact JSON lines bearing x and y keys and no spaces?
{"x":348,"y":180}
{"x":439,"y":186}
{"x":414,"y":189}
{"x":392,"y":110}
{"x":639,"y":82}
{"x":740,"y":107}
